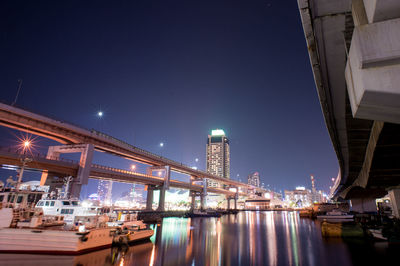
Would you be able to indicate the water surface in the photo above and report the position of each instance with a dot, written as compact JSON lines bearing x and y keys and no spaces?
{"x":248,"y":238}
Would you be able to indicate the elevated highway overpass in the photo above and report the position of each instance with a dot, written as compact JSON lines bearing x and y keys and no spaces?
{"x":77,"y":139}
{"x":67,"y":133}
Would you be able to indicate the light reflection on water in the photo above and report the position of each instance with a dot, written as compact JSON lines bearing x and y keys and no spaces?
{"x":248,"y":238}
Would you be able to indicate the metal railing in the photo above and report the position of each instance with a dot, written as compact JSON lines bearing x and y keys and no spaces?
{"x":32,"y":155}
{"x":124,"y":171}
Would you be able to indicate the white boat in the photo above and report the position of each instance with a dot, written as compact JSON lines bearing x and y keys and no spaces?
{"x":336,"y":216}
{"x":377,"y":234}
{"x":43,"y":240}
{"x":130,"y":230}
{"x":70,"y":209}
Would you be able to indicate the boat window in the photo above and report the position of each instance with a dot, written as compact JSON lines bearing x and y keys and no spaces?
{"x":66,"y":203}
{"x":67,"y":211}
{"x":19,"y":199}
{"x":1,"y":198}
{"x":47,"y":203}
{"x":40,"y":203}
{"x":38,"y":197}
{"x":52,"y":203}
{"x":9,"y":198}
{"x":75,"y":203}
{"x":12,"y":198}
{"x":31,"y":198}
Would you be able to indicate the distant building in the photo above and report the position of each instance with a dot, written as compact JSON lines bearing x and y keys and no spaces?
{"x":218,"y":156}
{"x":254,"y":179}
{"x":104,"y":190}
{"x":300,"y":197}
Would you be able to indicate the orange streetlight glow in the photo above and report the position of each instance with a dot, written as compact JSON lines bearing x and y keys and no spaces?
{"x":133,"y":167}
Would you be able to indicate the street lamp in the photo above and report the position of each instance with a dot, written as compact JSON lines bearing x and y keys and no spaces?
{"x":100,"y":114}
{"x":133,"y":167}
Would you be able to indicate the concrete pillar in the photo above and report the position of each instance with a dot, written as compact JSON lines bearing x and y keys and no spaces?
{"x":236,"y":197}
{"x":202,"y":202}
{"x":203,"y":195}
{"x":362,"y":205}
{"x":394,"y":195}
{"x":161,"y":201}
{"x":85,"y":164}
{"x":228,"y":199}
{"x":193,"y":202}
{"x":149,"y":200}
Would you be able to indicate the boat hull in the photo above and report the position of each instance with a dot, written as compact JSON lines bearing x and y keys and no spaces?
{"x":336,"y":218}
{"x":133,"y":237}
{"x":53,"y":241}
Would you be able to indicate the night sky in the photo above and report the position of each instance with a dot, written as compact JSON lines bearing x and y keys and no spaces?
{"x":171,"y":71}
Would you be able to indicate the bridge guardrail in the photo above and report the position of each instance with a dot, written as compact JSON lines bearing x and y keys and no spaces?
{"x":123,"y":171}
{"x":36,"y":155}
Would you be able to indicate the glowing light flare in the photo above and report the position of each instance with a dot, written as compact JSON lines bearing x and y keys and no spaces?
{"x":133,"y":167}
{"x":161,"y":144}
{"x":26,"y":143}
{"x":100,"y":114}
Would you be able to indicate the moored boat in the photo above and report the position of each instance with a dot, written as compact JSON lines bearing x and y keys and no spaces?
{"x":336,"y":216}
{"x":38,"y":238}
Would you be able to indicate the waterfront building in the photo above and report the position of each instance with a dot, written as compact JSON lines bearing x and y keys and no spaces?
{"x":300,"y":197}
{"x":257,"y":204}
{"x":254,"y":179}
{"x":104,"y":191}
{"x":218,"y":156}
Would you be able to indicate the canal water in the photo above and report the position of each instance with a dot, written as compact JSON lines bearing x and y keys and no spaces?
{"x":247,"y":238}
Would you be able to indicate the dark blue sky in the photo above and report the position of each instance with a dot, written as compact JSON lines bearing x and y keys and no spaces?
{"x":171,"y":71}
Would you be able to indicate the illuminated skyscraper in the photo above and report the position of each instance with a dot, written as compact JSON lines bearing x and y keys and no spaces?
{"x":254,"y":179}
{"x":218,"y":155}
{"x":104,"y":190}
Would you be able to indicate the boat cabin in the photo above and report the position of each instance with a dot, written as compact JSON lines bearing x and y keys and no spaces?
{"x":19,"y":199}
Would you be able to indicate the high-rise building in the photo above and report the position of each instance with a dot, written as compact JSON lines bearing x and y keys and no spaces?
{"x":300,"y":197}
{"x":218,"y":156}
{"x":254,"y":179}
{"x":104,"y":190}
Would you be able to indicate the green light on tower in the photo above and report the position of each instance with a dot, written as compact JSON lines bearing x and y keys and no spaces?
{"x":217,"y":132}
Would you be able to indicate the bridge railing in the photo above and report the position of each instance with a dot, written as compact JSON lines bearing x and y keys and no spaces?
{"x":122,"y":171}
{"x":31,"y":154}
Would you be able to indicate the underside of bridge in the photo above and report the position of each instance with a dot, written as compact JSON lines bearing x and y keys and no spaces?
{"x":349,"y":60}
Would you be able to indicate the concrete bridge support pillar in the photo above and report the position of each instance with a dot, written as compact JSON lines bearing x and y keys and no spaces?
{"x":149,"y":200}
{"x":85,"y":164}
{"x":228,"y":203}
{"x":203,"y":195}
{"x":362,"y":205}
{"x":164,"y":172}
{"x":394,"y":195}
{"x":193,"y":200}
{"x":161,"y":201}
{"x":236,"y":197}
